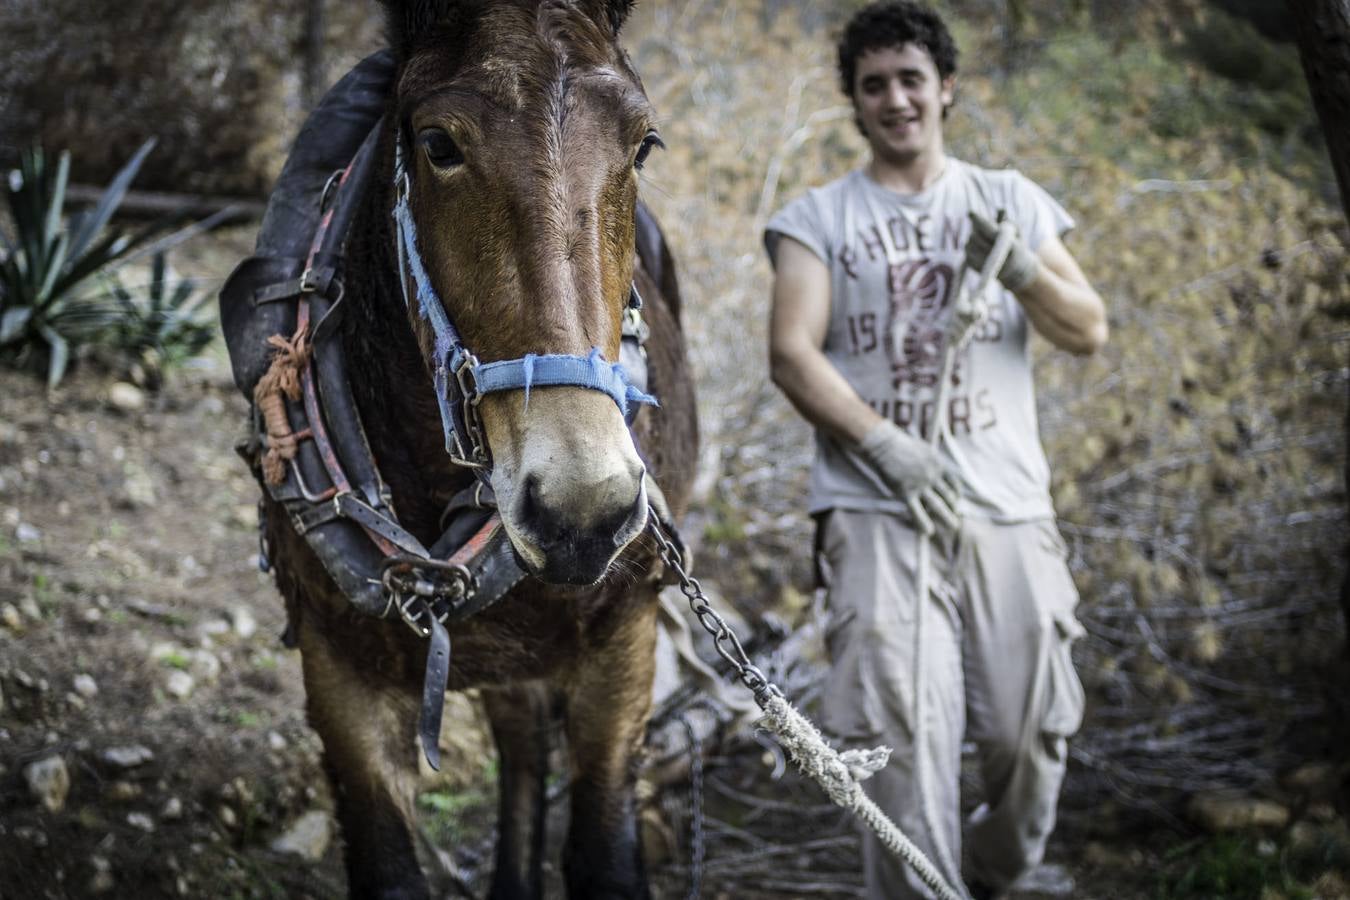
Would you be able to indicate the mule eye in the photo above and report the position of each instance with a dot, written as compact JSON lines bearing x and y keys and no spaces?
{"x":441,"y":149}
{"x":651,"y":140}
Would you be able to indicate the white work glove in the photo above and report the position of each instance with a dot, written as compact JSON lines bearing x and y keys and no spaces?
{"x":915,"y":472}
{"x":1021,"y":267}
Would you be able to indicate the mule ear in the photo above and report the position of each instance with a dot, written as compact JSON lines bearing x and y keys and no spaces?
{"x":609,"y":12}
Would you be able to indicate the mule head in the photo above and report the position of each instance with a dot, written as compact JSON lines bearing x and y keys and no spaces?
{"x":523,"y":127}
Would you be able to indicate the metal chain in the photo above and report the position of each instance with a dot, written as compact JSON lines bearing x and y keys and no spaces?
{"x":813,"y":755}
{"x":725,"y":641}
{"x":697,"y":844}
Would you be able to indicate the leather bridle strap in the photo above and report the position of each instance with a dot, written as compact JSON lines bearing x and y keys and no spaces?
{"x":460,"y":379}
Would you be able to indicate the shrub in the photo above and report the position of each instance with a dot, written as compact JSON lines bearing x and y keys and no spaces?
{"x":159,"y":327}
{"x":43,"y":316}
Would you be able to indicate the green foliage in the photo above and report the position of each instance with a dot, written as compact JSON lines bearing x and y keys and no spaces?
{"x":446,"y":813}
{"x":175,"y":660}
{"x":1246,"y":867}
{"x":1226,"y":867}
{"x":161,"y":326}
{"x":43,"y":315}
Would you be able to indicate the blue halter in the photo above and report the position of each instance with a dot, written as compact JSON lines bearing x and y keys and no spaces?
{"x":461,"y":380}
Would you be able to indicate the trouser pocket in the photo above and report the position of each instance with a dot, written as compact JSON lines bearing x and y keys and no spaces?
{"x":1065,"y":703}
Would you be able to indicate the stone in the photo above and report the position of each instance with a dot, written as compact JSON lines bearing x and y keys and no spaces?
{"x":36,"y":685}
{"x":180,"y":685}
{"x":25,"y":533}
{"x":85,"y":686}
{"x":123,"y":791}
{"x":1322,"y":812}
{"x":227,"y":816}
{"x":246,"y":516}
{"x":1046,"y":880}
{"x":1303,"y":837}
{"x":213,"y":628}
{"x":138,"y":488}
{"x":10,"y":618}
{"x":205,"y":665}
{"x":245,"y":625}
{"x":172,"y":810}
{"x":128,"y":757}
{"x":102,"y":880}
{"x":1222,"y":811}
{"x":142,"y":821}
{"x":307,"y":837}
{"x":35,"y":836}
{"x":126,"y":397}
{"x":29,"y":607}
{"x":1317,"y":776}
{"x":48,"y":782}
{"x":276,"y":741}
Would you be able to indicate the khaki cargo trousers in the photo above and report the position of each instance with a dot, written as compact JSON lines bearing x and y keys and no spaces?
{"x":987,"y":656}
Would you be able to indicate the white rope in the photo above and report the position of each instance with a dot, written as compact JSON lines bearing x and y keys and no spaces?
{"x":839,"y":774}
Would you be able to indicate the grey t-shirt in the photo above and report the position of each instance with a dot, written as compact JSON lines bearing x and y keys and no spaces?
{"x":894,"y":260}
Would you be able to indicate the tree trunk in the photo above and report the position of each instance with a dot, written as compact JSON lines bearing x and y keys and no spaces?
{"x":313,"y":83}
{"x":1323,"y":29}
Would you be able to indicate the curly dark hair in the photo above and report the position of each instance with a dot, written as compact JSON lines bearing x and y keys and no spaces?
{"x":893,"y":23}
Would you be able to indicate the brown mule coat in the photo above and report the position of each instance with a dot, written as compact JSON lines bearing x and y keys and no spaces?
{"x":530,"y":243}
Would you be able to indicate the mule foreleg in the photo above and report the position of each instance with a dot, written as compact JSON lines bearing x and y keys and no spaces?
{"x":366,"y":724}
{"x":520,"y":721}
{"x":608,"y":702}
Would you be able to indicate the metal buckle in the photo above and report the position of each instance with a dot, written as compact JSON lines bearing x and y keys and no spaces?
{"x":328,"y":187}
{"x":415,"y":596}
{"x":634,"y":325}
{"x":412,"y":619}
{"x":464,"y":377}
{"x":474,"y":454}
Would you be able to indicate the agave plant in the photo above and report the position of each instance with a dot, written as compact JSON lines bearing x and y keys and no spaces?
{"x":161,"y":325}
{"x":43,"y":315}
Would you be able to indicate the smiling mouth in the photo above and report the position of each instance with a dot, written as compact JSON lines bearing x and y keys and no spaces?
{"x":900,"y":124}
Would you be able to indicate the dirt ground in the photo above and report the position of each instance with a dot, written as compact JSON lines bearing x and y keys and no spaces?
{"x":139,"y":644}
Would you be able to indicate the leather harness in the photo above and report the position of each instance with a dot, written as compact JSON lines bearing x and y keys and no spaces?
{"x":307,"y":446}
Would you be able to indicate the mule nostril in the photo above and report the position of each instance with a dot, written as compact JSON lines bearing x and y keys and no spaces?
{"x":530,"y":505}
{"x":541,"y":521}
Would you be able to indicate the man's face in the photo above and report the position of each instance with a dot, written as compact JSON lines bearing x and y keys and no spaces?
{"x":899,"y":98}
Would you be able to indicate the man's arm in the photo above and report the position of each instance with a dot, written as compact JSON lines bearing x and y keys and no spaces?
{"x":797,"y":364}
{"x":1060,"y":303}
{"x":910,"y":468}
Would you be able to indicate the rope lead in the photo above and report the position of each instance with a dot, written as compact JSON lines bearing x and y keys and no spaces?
{"x":839,"y":774}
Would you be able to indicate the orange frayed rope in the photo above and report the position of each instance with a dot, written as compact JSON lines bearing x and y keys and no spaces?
{"x":281,"y":380}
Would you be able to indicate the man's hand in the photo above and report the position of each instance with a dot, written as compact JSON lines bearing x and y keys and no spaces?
{"x":1021,"y":267}
{"x":915,"y":472}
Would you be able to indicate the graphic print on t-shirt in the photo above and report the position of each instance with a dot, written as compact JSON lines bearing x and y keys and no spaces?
{"x":916,"y":330}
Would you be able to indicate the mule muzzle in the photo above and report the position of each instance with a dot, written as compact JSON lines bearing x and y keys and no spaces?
{"x":575,"y":543}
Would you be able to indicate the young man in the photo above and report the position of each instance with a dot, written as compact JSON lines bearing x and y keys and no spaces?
{"x":866,"y":271}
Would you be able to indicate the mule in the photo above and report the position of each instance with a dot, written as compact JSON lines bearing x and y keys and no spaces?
{"x":522,"y":127}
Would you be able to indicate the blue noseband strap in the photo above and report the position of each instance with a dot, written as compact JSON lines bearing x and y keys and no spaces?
{"x":460,"y":380}
{"x":593,"y":371}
